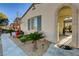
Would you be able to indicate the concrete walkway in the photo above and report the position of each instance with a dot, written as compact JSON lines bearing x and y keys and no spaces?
{"x":54,"y":51}
{"x":0,"y":47}
{"x":65,"y":41}
{"x":10,"y":48}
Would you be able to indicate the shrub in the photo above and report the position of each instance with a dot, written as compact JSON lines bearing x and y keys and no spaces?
{"x":7,"y":30}
{"x":31,"y":37}
{"x":23,"y":38}
{"x":35,"y":36}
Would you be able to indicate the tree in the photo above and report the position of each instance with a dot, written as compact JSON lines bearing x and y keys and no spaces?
{"x":3,"y":20}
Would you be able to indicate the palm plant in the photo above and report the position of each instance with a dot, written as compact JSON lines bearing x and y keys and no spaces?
{"x":23,"y":38}
{"x":34,"y":37}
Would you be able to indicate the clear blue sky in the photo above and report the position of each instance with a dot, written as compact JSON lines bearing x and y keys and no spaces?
{"x":11,"y":9}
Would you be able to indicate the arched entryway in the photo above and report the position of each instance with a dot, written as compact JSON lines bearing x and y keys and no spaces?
{"x":66,"y":24}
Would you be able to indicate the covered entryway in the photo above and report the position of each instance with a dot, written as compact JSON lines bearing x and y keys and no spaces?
{"x":67,"y":25}
{"x":64,"y":22}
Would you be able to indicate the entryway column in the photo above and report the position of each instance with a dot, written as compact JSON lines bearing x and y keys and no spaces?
{"x":74,"y":42}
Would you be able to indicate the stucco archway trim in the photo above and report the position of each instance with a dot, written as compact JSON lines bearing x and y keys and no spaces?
{"x":74,"y":42}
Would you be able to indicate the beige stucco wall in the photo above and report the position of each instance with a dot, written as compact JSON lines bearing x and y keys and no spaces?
{"x":77,"y":22}
{"x":49,"y":18}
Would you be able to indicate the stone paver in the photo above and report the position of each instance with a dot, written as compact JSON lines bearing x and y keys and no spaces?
{"x":10,"y":48}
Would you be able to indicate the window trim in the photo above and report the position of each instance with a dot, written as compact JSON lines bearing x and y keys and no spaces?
{"x":30,"y":27}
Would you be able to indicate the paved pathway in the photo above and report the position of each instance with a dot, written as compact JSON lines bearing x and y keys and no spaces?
{"x":0,"y":48}
{"x":10,"y":48}
{"x":66,"y":40}
{"x":54,"y":51}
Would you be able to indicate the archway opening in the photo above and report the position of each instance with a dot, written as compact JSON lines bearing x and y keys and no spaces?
{"x":64,"y":24}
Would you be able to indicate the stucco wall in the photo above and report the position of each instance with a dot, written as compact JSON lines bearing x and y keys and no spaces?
{"x":49,"y":18}
{"x":77,"y":16}
{"x":47,"y":11}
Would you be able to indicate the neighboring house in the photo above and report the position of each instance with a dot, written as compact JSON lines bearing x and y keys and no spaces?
{"x":11,"y":26}
{"x":49,"y":18}
{"x":16,"y":24}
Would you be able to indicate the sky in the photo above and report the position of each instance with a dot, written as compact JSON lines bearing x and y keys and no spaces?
{"x":11,"y":10}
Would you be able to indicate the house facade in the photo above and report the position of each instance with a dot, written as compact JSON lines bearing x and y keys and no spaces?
{"x":15,"y":25}
{"x":54,"y":19}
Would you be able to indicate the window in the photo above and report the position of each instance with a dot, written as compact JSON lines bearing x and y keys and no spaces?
{"x":29,"y":24}
{"x":34,"y":23}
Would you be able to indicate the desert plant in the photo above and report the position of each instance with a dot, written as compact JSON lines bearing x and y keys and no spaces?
{"x":23,"y":38}
{"x":34,"y":37}
{"x":31,"y":37}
